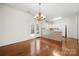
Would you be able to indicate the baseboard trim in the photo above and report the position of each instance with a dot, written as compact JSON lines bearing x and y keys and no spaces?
{"x":70,"y":37}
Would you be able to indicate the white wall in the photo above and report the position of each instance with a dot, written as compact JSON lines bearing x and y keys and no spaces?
{"x":71,"y":23}
{"x":14,"y":25}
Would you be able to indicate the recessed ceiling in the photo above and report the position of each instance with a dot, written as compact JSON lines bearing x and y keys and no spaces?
{"x":51,"y":10}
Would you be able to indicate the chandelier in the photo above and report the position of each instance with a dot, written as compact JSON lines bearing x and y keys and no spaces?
{"x":39,"y":16}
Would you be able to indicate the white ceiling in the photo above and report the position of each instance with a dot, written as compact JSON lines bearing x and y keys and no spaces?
{"x":51,"y":10}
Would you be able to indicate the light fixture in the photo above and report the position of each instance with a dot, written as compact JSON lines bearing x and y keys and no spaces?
{"x":55,"y":19}
{"x":39,"y":16}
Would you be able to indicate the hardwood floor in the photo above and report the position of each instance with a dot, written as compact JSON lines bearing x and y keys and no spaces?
{"x":69,"y":47}
{"x":47,"y":48}
{"x":19,"y":48}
